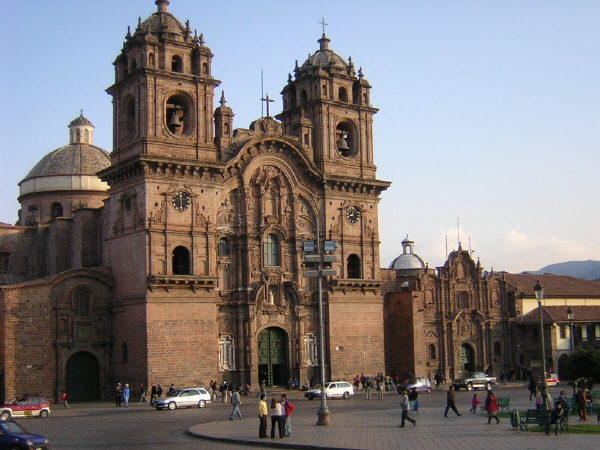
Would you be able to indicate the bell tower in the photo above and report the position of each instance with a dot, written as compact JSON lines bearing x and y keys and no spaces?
{"x":164,"y":91}
{"x":326,"y":93}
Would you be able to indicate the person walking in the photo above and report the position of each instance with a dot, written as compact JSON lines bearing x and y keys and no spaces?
{"x":368,"y":387}
{"x":65,"y":399}
{"x":262,"y":416}
{"x":143,"y":394}
{"x":491,"y":406}
{"x":159,"y":391}
{"x":413,"y":398}
{"x":451,"y":402}
{"x":287,"y":407}
{"x":581,"y":404}
{"x":474,"y":403}
{"x":236,"y":401}
{"x":126,"y":395}
{"x":532,"y":388}
{"x":380,"y":387}
{"x":118,"y":395}
{"x":153,"y":393}
{"x":276,"y":418}
{"x":405,"y":406}
{"x":223,"y":390}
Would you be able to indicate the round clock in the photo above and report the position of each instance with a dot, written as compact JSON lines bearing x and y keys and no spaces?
{"x":353,"y":214}
{"x":181,"y":201}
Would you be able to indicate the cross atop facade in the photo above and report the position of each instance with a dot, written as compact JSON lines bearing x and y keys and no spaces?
{"x":267,"y":100}
{"x":322,"y":22}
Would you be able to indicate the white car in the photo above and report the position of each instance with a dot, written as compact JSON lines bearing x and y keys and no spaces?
{"x":333,"y":389}
{"x":183,"y":398}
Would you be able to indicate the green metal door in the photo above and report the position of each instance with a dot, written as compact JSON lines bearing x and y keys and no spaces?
{"x":82,"y":377}
{"x":466,"y":359}
{"x":272,"y":356}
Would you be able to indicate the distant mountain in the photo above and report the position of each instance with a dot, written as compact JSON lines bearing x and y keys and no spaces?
{"x":588,"y":270}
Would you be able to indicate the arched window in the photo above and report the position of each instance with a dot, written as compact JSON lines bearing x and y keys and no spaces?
{"x":181,"y":261}
{"x":431,"y":354}
{"x":463,"y":300}
{"x":353,"y":266}
{"x":223,"y":247}
{"x":303,"y":97}
{"x":271,"y":248}
{"x":342,"y":94}
{"x":57,"y":210}
{"x":81,"y":304}
{"x":176,"y":64}
{"x":497,"y":349}
{"x":125,"y":353}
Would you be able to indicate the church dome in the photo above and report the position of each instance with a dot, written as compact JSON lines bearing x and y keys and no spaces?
{"x":73,"y":166}
{"x":162,"y":22}
{"x":407,"y":260}
{"x":325,"y":59}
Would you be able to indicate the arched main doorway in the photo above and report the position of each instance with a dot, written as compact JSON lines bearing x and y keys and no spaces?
{"x":466,"y":359}
{"x":82,"y":377}
{"x":272,"y":356}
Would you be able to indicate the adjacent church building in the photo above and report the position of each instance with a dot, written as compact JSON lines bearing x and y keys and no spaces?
{"x":178,"y":256}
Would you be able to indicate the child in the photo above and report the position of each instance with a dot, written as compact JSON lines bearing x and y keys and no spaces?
{"x":474,"y":402}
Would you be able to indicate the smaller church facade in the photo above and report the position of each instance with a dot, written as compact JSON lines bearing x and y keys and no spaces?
{"x":449,"y":320}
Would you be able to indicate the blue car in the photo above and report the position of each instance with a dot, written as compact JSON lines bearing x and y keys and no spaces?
{"x":14,"y":437}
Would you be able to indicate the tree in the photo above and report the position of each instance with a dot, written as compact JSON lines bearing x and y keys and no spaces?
{"x":583,"y":363}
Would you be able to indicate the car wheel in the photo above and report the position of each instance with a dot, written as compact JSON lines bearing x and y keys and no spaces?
{"x":346,"y":395}
{"x":43,"y":414}
{"x":469,"y":387}
{"x":201,"y":404}
{"x":429,"y":390}
{"x":5,"y":415}
{"x":172,"y":405}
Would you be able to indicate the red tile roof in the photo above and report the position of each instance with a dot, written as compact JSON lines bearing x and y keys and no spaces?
{"x":554,"y":285}
{"x":558,"y":314}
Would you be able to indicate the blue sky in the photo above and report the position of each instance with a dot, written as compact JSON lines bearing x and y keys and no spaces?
{"x":489,"y":110}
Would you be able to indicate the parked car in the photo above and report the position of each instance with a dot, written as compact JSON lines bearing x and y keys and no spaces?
{"x":333,"y":389}
{"x":13,"y":436}
{"x":183,"y":398}
{"x":26,"y":406}
{"x":551,"y":380}
{"x":474,"y":380}
{"x":421,"y":383}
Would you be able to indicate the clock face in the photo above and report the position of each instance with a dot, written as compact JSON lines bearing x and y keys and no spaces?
{"x":181,"y":201}
{"x":353,"y":214}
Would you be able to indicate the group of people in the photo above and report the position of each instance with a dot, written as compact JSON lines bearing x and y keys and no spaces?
{"x":123,"y":393}
{"x":380,"y":382}
{"x":280,"y":412}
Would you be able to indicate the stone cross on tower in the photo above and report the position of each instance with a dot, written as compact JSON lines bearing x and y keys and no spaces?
{"x":267,"y":100}
{"x":322,"y":22}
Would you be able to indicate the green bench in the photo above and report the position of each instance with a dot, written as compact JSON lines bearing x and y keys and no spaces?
{"x":503,"y":404}
{"x":534,"y":417}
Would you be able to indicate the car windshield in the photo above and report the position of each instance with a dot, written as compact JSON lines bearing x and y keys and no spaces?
{"x":175,"y":393}
{"x":470,"y":375}
{"x":12,"y":428}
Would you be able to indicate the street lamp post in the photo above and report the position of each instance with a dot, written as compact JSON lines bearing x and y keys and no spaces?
{"x":318,"y":260}
{"x":539,"y":295}
{"x":570,"y":315}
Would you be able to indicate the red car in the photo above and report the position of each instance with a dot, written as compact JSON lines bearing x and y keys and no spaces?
{"x":26,"y":406}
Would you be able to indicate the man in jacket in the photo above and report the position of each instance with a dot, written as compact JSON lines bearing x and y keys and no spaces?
{"x":404,"y":405}
{"x":451,"y":402}
{"x":236,"y":401}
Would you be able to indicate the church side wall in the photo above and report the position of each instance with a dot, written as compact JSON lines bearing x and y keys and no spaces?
{"x":356,"y":329}
{"x":182,"y":339}
{"x":28,"y":353}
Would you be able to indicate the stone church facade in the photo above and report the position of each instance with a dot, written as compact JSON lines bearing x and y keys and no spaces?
{"x":178,"y":257}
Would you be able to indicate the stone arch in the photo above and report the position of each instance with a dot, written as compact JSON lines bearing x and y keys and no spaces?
{"x":273,"y":355}
{"x":82,"y":376}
